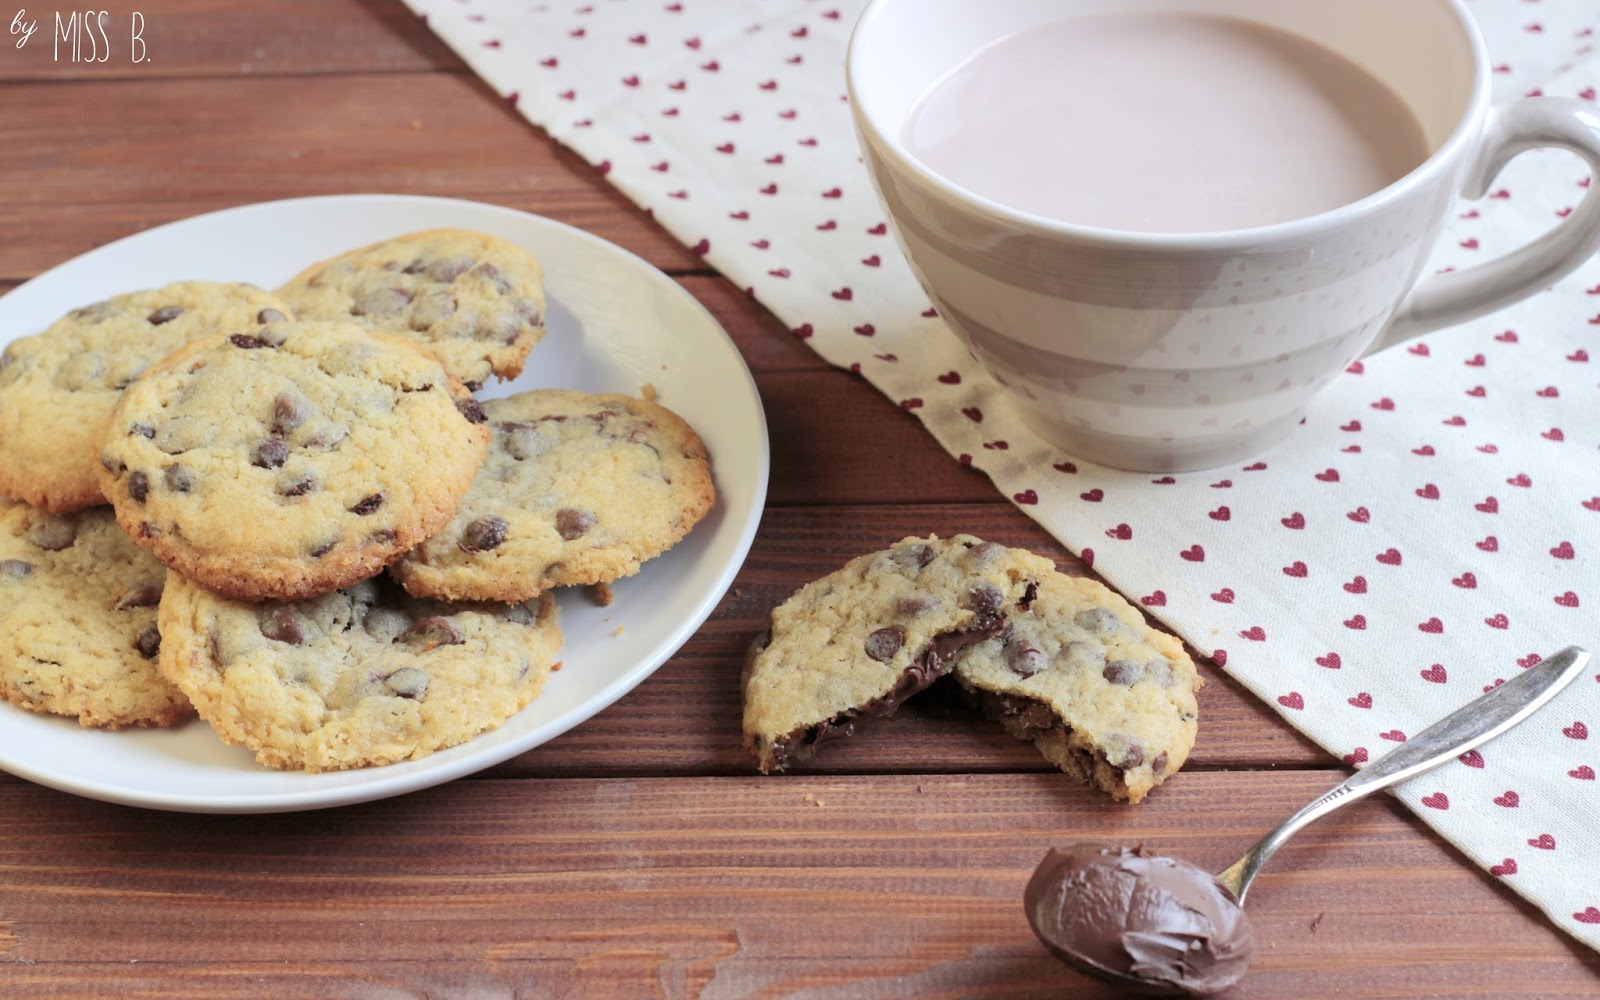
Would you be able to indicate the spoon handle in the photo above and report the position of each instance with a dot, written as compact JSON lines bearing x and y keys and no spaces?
{"x":1476,"y":722}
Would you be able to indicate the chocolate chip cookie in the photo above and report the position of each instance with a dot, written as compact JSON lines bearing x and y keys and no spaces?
{"x":290,"y":459}
{"x":78,"y":621}
{"x":474,"y":301}
{"x":578,"y":488}
{"x":863,"y":639}
{"x":57,"y":386}
{"x":1078,"y":672}
{"x":359,"y":677}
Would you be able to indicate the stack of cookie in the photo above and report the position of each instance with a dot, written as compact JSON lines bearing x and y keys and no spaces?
{"x":1059,"y":661}
{"x":268,"y":456}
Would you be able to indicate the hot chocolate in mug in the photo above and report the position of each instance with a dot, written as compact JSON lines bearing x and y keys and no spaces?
{"x":1193,"y":332}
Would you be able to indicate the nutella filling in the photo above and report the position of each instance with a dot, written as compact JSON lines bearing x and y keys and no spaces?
{"x":926,"y":667}
{"x":1114,"y":912}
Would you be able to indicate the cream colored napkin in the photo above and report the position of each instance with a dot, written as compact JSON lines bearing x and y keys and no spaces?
{"x":1433,"y":528}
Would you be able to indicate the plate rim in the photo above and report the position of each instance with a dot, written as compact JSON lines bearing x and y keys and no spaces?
{"x":408,"y":781}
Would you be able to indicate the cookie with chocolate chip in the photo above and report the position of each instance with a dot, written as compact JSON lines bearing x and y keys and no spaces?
{"x":860,"y":641}
{"x":290,"y":459}
{"x":359,"y":677}
{"x":578,"y":488}
{"x":474,"y":301}
{"x":57,"y":386}
{"x":1082,"y":676}
{"x":78,"y":621}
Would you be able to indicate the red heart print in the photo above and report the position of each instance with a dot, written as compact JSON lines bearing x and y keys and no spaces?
{"x":1352,"y":426}
{"x":1356,"y":586}
{"x":1223,"y":596}
{"x":1068,"y":467}
{"x":549,"y":63}
{"x":1588,"y":916}
{"x":1164,"y":481}
{"x":887,"y":357}
{"x":1194,"y":553}
{"x":1254,"y":633}
{"x":1420,"y":350}
{"x":1293,"y":522}
{"x":1456,"y":421}
{"x":1489,"y":505}
{"x":997,"y":445}
{"x":1426,"y":451}
{"x":1466,"y":581}
{"x":1510,"y":800}
{"x":1355,"y":368}
{"x":1384,"y":404}
{"x":833,"y":193}
{"x":702,"y":248}
{"x":1087,"y":555}
{"x":1567,"y":600}
{"x":1438,"y":800}
{"x":803,"y":331}
{"x":1520,"y":479}
{"x":828,"y":227}
{"x":741,"y":216}
{"x":711,"y":67}
{"x":776,"y":159}
{"x":1292,"y":700}
{"x":1476,"y":361}
{"x":1593,"y":503}
{"x":1543,"y":842}
{"x":1506,"y":867}
{"x":772,"y":189}
{"x":1358,"y":623}
{"x":865,"y":330}
{"x":761,"y":244}
{"x":1435,"y":674}
{"x":1093,"y":496}
{"x":1583,"y":773}
{"x":1548,"y":392}
{"x":1472,"y":758}
{"x":879,"y":229}
{"x":1219,"y":657}
{"x":1220,"y":514}
{"x":1428,"y":492}
{"x":1433,"y":626}
{"x":1222,"y":484}
{"x":1329,"y":476}
{"x":1296,"y":569}
{"x":1360,"y":515}
{"x":1356,"y":756}
{"x":1389,"y":557}
{"x":929,"y":313}
{"x":1489,"y":544}
{"x":733,"y":117}
{"x":973,"y":414}
{"x":1488,"y":449}
{"x":1576,"y":731}
{"x":1393,"y":736}
{"x":642,"y":137}
{"x":1508,"y":337}
{"x":911,"y":404}
{"x":1527,"y":661}
{"x":1497,"y":682}
{"x":1121,"y":532}
{"x":873,"y":261}
{"x":1563,"y":551}
{"x":1471,"y":244}
{"x":603,"y":167}
{"x":1332,"y":661}
{"x":1553,"y":434}
{"x":1155,"y":600}
{"x":632,"y":80}
{"x":1026,"y":497}
{"x":1477,"y":392}
{"x":843,"y":294}
{"x":1580,"y":356}
{"x":951,"y":378}
{"x":1497,"y":621}
{"x":1362,"y":700}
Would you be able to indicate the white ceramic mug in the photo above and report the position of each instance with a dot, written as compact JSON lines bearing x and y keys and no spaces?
{"x":1169,"y":352}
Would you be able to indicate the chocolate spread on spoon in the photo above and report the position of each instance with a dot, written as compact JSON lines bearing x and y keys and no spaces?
{"x":1157,"y":920}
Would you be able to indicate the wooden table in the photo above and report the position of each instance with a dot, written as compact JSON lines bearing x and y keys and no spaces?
{"x":639,"y":855}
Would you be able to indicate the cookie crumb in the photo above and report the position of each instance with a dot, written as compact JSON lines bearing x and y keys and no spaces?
{"x":617,"y":630}
{"x":813,"y":800}
{"x":600,"y":593}
{"x":648,"y":392}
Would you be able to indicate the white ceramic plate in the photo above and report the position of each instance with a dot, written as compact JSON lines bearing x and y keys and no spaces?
{"x":615,"y":324}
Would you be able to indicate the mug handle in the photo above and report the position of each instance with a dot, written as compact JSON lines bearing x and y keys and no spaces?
{"x":1512,"y":129}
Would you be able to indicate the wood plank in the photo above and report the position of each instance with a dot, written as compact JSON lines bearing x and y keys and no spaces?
{"x":87,"y":163}
{"x":218,"y":38}
{"x":728,"y":887}
{"x":685,"y":719}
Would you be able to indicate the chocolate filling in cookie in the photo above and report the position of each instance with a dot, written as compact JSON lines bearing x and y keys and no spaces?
{"x":925,"y":668}
{"x":1027,"y":719}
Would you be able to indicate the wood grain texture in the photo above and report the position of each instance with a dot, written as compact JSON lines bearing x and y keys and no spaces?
{"x":895,"y":886}
{"x":220,"y":38}
{"x":85,"y":163}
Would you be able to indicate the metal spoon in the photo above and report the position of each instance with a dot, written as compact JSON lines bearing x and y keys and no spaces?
{"x":1477,"y":722}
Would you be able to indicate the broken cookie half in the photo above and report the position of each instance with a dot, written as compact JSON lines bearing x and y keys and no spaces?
{"x":1060,"y":661}
{"x":860,"y":641}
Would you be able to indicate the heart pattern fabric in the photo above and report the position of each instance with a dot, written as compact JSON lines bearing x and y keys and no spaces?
{"x":1431,"y":529}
